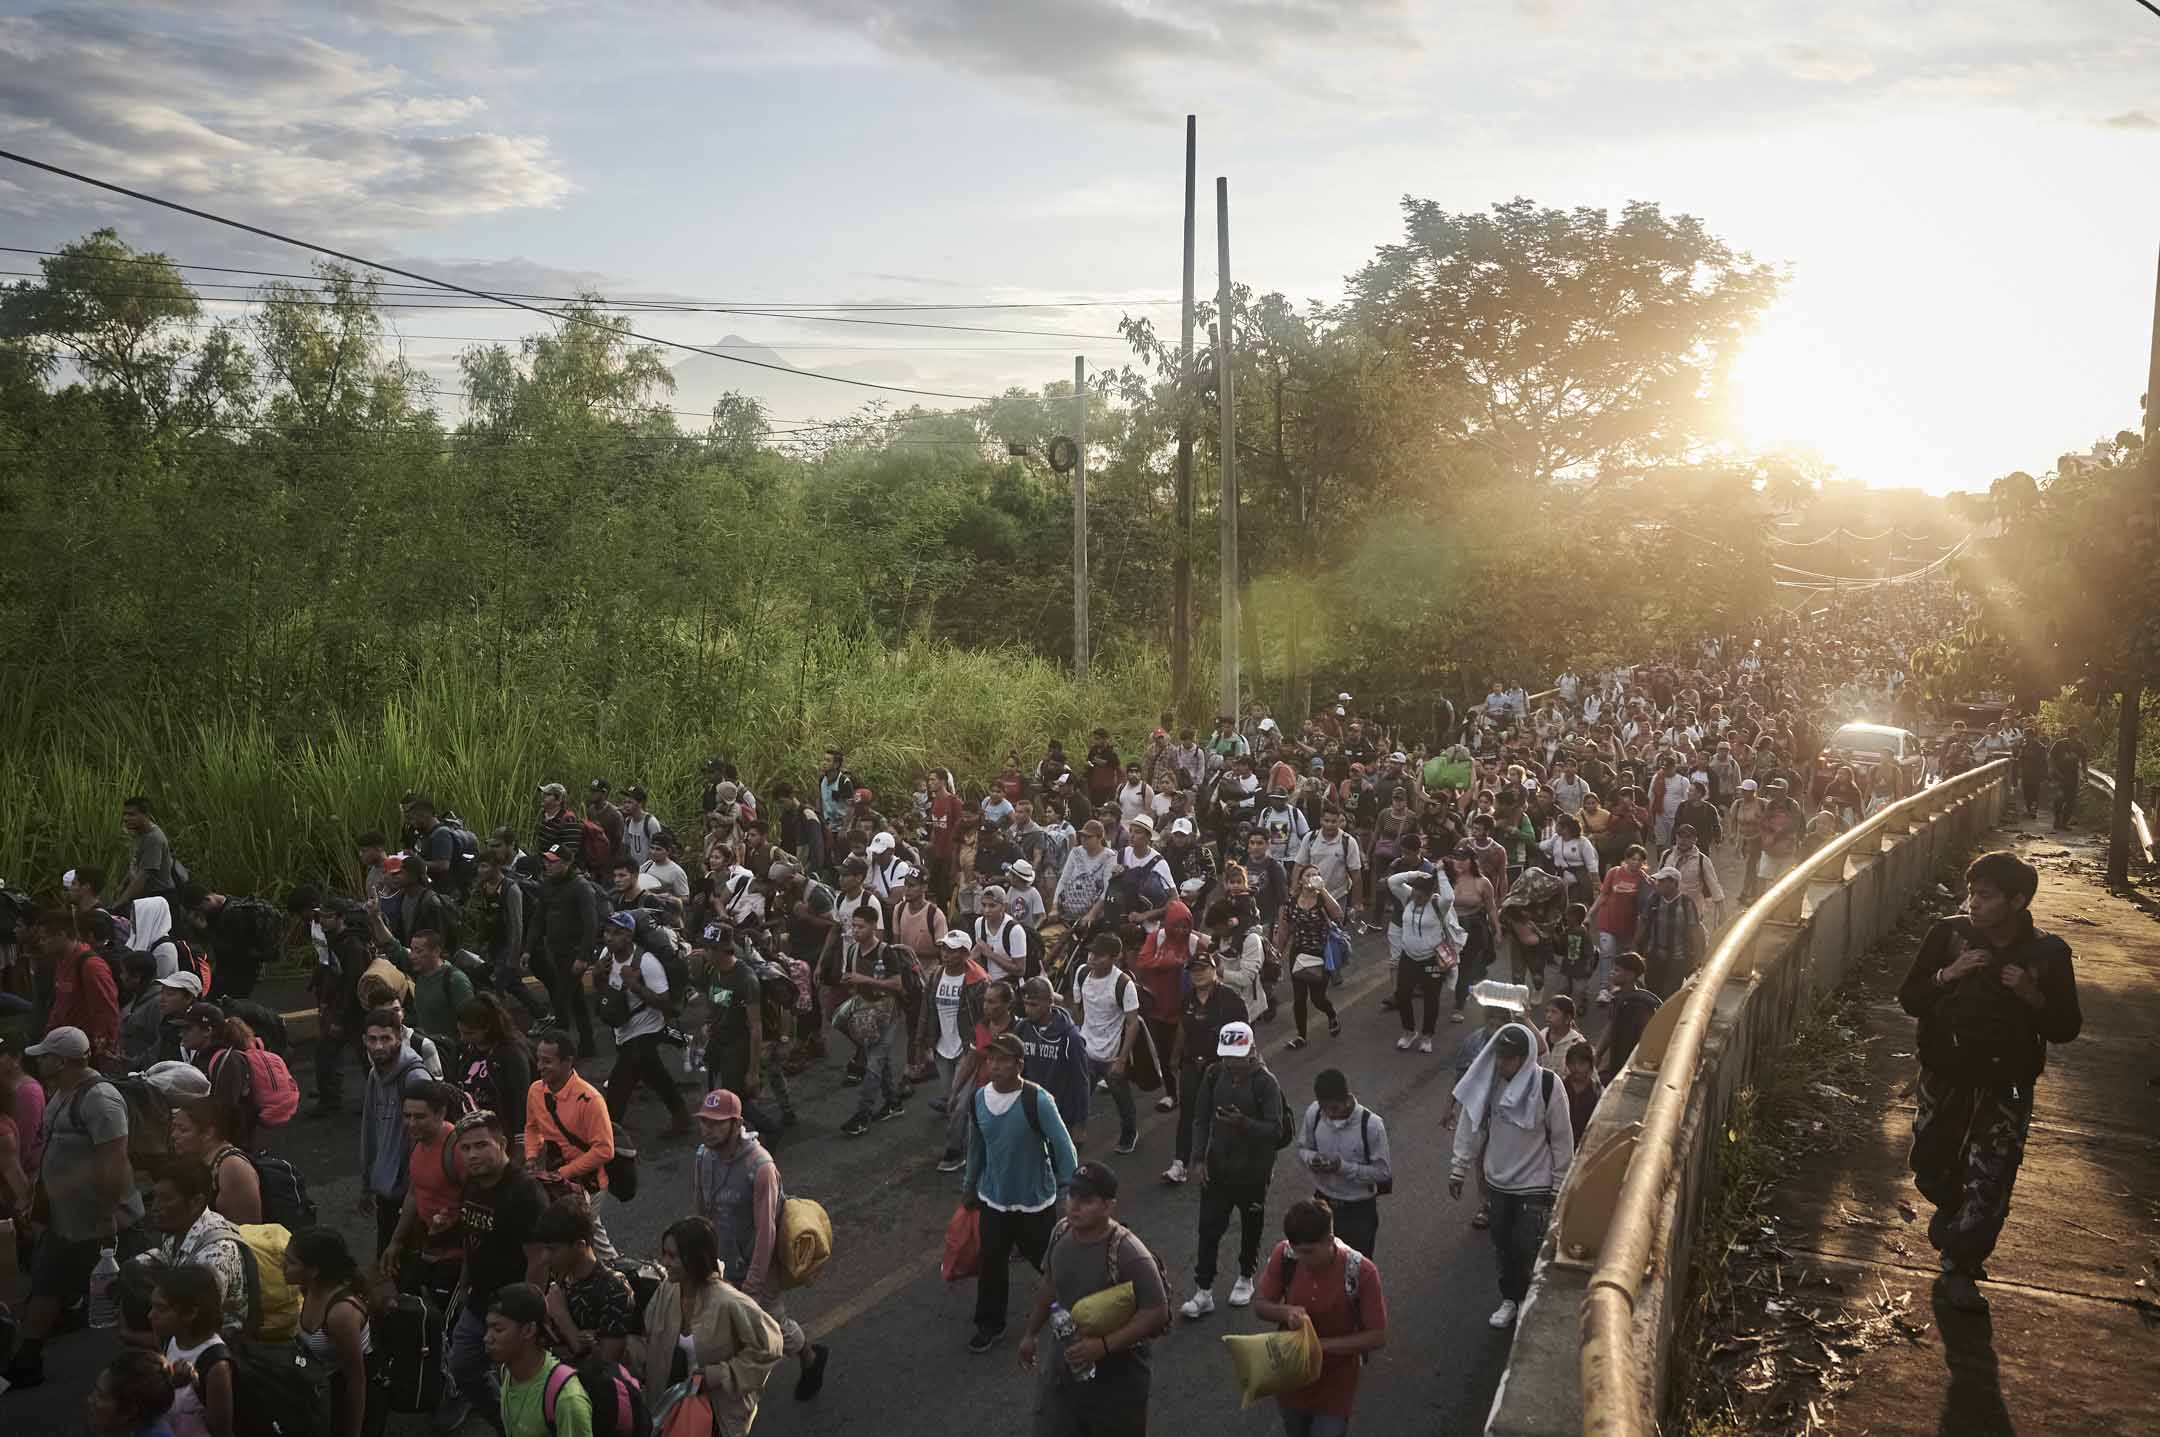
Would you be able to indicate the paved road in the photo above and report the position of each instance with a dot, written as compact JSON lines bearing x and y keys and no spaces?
{"x":899,"y":1333}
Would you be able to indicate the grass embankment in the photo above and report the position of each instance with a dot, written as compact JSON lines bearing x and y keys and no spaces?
{"x":255,"y":802}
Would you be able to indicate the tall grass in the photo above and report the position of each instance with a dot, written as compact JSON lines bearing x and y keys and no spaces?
{"x":253,"y":808}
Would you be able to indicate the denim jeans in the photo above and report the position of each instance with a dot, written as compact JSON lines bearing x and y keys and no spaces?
{"x":468,"y":1361}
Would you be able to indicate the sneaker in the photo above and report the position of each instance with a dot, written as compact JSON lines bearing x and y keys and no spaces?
{"x":1334,"y":1027}
{"x":1483,"y":1217}
{"x":1503,"y":1316}
{"x":952,"y":1162}
{"x":1241,"y":1292}
{"x":984,"y":1339}
{"x":1961,"y":1292}
{"x":1175,"y":1173}
{"x":937,"y":1106}
{"x":1387,"y":1005}
{"x":1457,"y":1017}
{"x":1267,"y":1014}
{"x":1604,"y":995}
{"x":1166,"y":1104}
{"x":1295,"y":1043}
{"x":851,"y":1080}
{"x":813,"y":1372}
{"x":1424,"y":1045}
{"x":1402,"y":1044}
{"x":1128,"y":1144}
{"x":891,"y":1110}
{"x":1199,"y":1305}
{"x":856,"y":1126}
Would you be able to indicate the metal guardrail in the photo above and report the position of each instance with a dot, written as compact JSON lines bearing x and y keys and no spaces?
{"x":2140,"y":826}
{"x":1615,"y":1388}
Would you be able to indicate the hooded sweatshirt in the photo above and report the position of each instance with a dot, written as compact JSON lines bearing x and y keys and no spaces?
{"x":382,"y":1125}
{"x":1239,"y":1148}
{"x":1161,"y":964}
{"x":1519,"y":1127}
{"x":1057,"y":1059}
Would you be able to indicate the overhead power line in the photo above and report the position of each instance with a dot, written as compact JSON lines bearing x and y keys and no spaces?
{"x":566,"y":316}
{"x":653,"y":299}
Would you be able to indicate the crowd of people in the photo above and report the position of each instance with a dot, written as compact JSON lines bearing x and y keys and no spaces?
{"x":1018,"y":949}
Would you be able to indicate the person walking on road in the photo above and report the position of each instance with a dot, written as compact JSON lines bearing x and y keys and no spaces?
{"x":1515,"y":1129}
{"x":735,"y":1186}
{"x":1096,"y":1384}
{"x":1019,"y":1155}
{"x":1239,"y":1112}
{"x":1344,"y":1144}
{"x":2066,"y":765}
{"x":1990,"y":991}
{"x":1313,"y":1273}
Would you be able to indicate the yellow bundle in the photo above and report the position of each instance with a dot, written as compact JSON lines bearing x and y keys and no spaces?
{"x":1269,"y":1364}
{"x":1102,"y":1313}
{"x":805,"y":1242}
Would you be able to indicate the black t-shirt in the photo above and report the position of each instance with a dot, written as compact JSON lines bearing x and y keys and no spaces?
{"x":498,"y":1223}
{"x":729,"y":998}
{"x":497,"y":1081}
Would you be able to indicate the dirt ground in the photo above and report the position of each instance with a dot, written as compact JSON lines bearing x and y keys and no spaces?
{"x":1835,"y":1326}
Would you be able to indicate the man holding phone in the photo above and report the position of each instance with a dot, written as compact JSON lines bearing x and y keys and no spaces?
{"x":1237,"y":1114}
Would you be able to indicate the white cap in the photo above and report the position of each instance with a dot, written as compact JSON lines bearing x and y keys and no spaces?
{"x":1234,"y":1041}
{"x":1181,"y":825}
{"x":956,"y":938}
{"x":1398,"y":757}
{"x":61,"y":1043}
{"x":1267,"y":725}
{"x":1666,"y":872}
{"x":187,"y":983}
{"x":902,"y":872}
{"x":1192,"y":885}
{"x":882,"y":843}
{"x":1747,"y":785}
{"x":1342,"y":698}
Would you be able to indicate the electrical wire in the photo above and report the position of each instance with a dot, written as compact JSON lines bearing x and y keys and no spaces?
{"x":567,"y":316}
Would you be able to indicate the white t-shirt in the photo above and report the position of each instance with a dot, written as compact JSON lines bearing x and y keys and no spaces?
{"x":1333,"y":859}
{"x":668,"y":874}
{"x":999,"y":1104}
{"x":637,"y":836}
{"x":949,"y":1044}
{"x":1010,"y":940}
{"x":643,"y":1020}
{"x":1104,"y":1027}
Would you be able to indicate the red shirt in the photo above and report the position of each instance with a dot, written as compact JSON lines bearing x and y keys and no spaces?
{"x":1321,"y":1292}
{"x":436,"y":1189}
{"x":1618,"y":896}
{"x":945,"y":811}
{"x":84,"y":997}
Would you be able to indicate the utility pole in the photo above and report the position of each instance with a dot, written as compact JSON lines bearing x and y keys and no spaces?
{"x":1080,"y":569}
{"x":1181,"y":561}
{"x":1224,"y":346}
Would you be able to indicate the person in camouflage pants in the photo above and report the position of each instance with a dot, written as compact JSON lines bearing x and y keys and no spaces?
{"x":1967,"y":1145}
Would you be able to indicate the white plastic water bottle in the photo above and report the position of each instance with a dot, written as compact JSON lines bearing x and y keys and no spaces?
{"x":1068,"y":1332}
{"x":104,"y":1307}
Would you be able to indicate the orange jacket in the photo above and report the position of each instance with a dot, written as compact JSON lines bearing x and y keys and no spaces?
{"x":581,"y":1114}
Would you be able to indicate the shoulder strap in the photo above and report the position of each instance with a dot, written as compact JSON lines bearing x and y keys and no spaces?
{"x":1028,"y":1093}
{"x":555,"y":1117}
{"x":1365,"y":1131}
{"x":557,"y":1379}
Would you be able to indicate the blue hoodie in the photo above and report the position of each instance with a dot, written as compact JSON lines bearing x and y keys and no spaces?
{"x":1057,"y":1059}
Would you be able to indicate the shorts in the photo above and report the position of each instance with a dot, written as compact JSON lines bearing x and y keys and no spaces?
{"x":61,"y":1268}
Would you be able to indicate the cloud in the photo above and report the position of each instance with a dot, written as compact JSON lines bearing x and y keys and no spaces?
{"x":2131,"y":120}
{"x":1844,"y":64}
{"x":1088,"y":47}
{"x":268,"y":122}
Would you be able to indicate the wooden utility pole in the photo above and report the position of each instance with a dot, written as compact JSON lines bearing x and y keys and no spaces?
{"x":1181,"y":561}
{"x":2120,"y":838}
{"x":1080,"y":562}
{"x":1224,"y":347}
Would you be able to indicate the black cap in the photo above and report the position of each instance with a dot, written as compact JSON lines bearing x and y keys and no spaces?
{"x":1009,"y":1045}
{"x":1512,"y":1043}
{"x":633,"y":791}
{"x":598,"y":785}
{"x":1094,"y":1180}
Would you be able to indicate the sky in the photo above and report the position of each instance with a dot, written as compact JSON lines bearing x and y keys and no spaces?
{"x":1960,"y":193}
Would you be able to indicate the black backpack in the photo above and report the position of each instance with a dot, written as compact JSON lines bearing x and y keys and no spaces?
{"x":1979,"y":1034}
{"x":410,"y":1347}
{"x":464,"y":854}
{"x":285,"y":1199}
{"x":644,"y":1279}
{"x":616,"y":1395}
{"x":278,"y":1390}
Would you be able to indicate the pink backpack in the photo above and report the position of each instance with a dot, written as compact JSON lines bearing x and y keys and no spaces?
{"x":270,"y":1084}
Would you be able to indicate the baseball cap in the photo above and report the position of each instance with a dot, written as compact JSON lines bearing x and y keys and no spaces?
{"x":1008,"y":1044}
{"x":1234,"y":1041}
{"x":1181,"y":825}
{"x":1667,"y":872}
{"x":720,"y":1105}
{"x":862,"y":795}
{"x":186,"y":983}
{"x":956,"y":938}
{"x":561,"y":851}
{"x":1342,"y":698}
{"x":993,"y":893}
{"x":209,"y":1014}
{"x":1093,"y":1180}
{"x":882,"y":843}
{"x":1398,"y":757}
{"x":1747,"y":785}
{"x":633,"y":791}
{"x":622,"y":920}
{"x":1267,"y":725}
{"x":598,"y":785}
{"x":780,"y":871}
{"x":904,"y":873}
{"x":61,"y":1043}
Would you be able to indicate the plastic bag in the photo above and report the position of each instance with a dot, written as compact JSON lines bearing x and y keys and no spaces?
{"x":683,"y":1411}
{"x":963,"y":1244}
{"x":1269,"y":1364}
{"x":1102,"y":1313}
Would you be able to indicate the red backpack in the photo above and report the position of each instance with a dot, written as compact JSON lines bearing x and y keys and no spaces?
{"x":187,"y":958}
{"x":270,"y":1083}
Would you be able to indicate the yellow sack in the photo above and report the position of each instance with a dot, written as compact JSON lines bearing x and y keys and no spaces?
{"x":805,"y":1242}
{"x":273,"y":1304}
{"x":1269,"y":1364}
{"x":1102,"y":1313}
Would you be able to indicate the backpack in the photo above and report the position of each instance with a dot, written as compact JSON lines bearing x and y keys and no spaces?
{"x":410,"y":1346}
{"x":273,"y":1303}
{"x":594,"y":849}
{"x":278,"y":1390}
{"x":464,"y":854}
{"x":1364,"y":1135}
{"x":285,"y":1199}
{"x":187,"y":958}
{"x":644,"y":1279}
{"x":1979,"y":1033}
{"x":1353,"y":1274}
{"x":270,"y":1083}
{"x":617,"y":1398}
{"x":1116,"y":1239}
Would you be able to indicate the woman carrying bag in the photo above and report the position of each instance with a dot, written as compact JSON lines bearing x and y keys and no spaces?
{"x":708,"y":1348}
